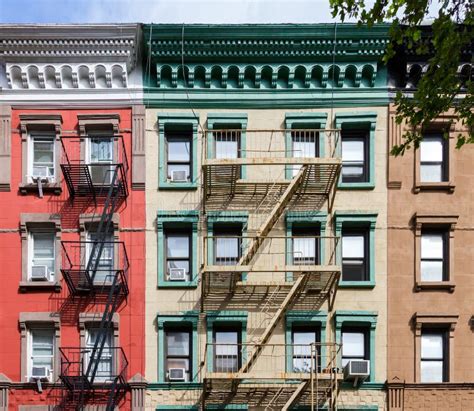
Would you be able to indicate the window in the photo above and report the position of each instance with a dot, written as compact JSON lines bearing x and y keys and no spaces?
{"x":178,"y":354}
{"x":43,"y":156}
{"x":355,"y":345}
{"x":227,"y":348}
{"x":228,"y":243}
{"x":355,"y":157}
{"x":303,"y":352}
{"x":101,"y":158}
{"x":305,"y":143}
{"x":227,"y":144}
{"x":354,"y":254}
{"x":42,"y":265}
{"x":105,"y":364}
{"x":41,"y":358}
{"x":178,"y":162}
{"x":434,"y":256}
{"x":433,"y":163}
{"x":178,"y":254}
{"x":433,"y":366}
{"x":306,"y":244}
{"x":105,"y":264}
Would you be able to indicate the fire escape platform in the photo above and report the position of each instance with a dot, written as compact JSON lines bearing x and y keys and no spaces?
{"x":222,"y":181}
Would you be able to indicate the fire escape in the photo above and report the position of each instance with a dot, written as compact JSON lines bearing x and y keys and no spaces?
{"x":269,"y":177}
{"x":95,"y":269}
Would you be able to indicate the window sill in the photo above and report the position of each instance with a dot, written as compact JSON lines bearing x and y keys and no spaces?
{"x":435,"y":285}
{"x":177,"y":186}
{"x":178,"y":385}
{"x":356,"y":284}
{"x":442,"y":186}
{"x":356,"y":186}
{"x":26,"y":286}
{"x":177,"y":285}
{"x":54,"y":188}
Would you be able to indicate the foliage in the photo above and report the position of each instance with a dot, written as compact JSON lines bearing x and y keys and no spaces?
{"x":445,"y":46}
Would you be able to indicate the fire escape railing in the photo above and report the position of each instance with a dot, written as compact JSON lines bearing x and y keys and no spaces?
{"x":96,"y":168}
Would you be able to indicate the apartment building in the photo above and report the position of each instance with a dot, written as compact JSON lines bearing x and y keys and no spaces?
{"x":72,"y":217}
{"x":266,"y":210}
{"x":430,"y":282}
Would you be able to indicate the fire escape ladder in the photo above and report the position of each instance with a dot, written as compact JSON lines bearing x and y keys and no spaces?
{"x":274,"y":216}
{"x":296,"y":394}
{"x":298,"y":284}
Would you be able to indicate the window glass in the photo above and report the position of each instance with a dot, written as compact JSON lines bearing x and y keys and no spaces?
{"x":42,"y":350}
{"x":101,"y":150}
{"x":432,"y":159}
{"x":179,"y":148}
{"x":226,"y":350}
{"x":353,"y":246}
{"x":354,"y":255}
{"x":44,"y":250}
{"x":178,"y":246}
{"x":304,"y":144}
{"x":105,"y":366}
{"x":43,"y":157}
{"x":227,"y":243}
{"x":178,"y":355}
{"x":354,"y":346}
{"x":353,"y":153}
{"x":432,"y":357}
{"x":105,"y":266}
{"x":227,"y":144}
{"x":432,"y":256}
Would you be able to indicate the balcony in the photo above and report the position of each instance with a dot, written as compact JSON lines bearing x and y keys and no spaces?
{"x":255,"y":167}
{"x":251,"y":268}
{"x":85,"y":273}
{"x":93,"y":166}
{"x":276,"y":375}
{"x":77,"y":373}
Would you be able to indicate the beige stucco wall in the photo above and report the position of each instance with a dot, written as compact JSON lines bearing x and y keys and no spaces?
{"x":175,"y":300}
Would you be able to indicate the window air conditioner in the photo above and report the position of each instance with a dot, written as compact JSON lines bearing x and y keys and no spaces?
{"x":357,"y":370}
{"x":42,"y":373}
{"x":41,"y":172}
{"x":39,"y":273}
{"x":178,"y":176}
{"x":176,"y":374}
{"x":177,"y":274}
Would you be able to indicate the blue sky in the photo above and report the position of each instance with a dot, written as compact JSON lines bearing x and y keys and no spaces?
{"x":164,"y":11}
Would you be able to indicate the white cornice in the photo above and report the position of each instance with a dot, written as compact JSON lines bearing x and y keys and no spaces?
{"x":60,"y":44}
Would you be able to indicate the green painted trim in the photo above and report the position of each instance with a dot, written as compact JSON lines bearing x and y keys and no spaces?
{"x":191,"y":317}
{"x":177,"y":218}
{"x":359,"y":319}
{"x":357,"y":219}
{"x":223,"y":317}
{"x":265,"y":99}
{"x":359,"y":120}
{"x":208,"y":407}
{"x":174,"y":386}
{"x":307,"y":217}
{"x":177,"y":407}
{"x":303,"y":120}
{"x":228,"y":120}
{"x":225,"y":217}
{"x":177,"y":119}
{"x":304,"y":318}
{"x":339,"y":407}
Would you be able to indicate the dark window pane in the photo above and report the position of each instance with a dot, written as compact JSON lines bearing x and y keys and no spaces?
{"x":355,"y":157}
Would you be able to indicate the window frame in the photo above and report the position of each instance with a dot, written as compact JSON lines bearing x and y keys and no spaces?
{"x":30,"y":361}
{"x":227,"y":327}
{"x":312,"y":231}
{"x":444,"y":161}
{"x":167,"y":219}
{"x":95,"y":326}
{"x":312,"y":327}
{"x":183,"y":231}
{"x":357,"y":135}
{"x":445,"y":224}
{"x":359,"y":121}
{"x":357,"y":219}
{"x":445,"y":258}
{"x":356,"y":329}
{"x":230,"y":230}
{"x":178,"y":329}
{"x":357,"y":232}
{"x":171,"y":122}
{"x":177,"y":137}
{"x":44,"y":135}
{"x":445,"y":355}
{"x":31,"y":254}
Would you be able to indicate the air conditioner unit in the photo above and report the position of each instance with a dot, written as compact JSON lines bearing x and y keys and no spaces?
{"x":177,"y":274}
{"x":177,"y":374}
{"x":357,"y":370}
{"x":40,"y":273}
{"x":41,"y":373}
{"x":178,"y":176}
{"x":41,"y":172}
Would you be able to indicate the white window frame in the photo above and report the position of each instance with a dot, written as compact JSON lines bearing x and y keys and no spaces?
{"x":88,"y":151}
{"x":31,"y":253}
{"x":31,"y":149}
{"x":442,"y":163}
{"x":90,"y":345}
{"x":30,"y":351}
